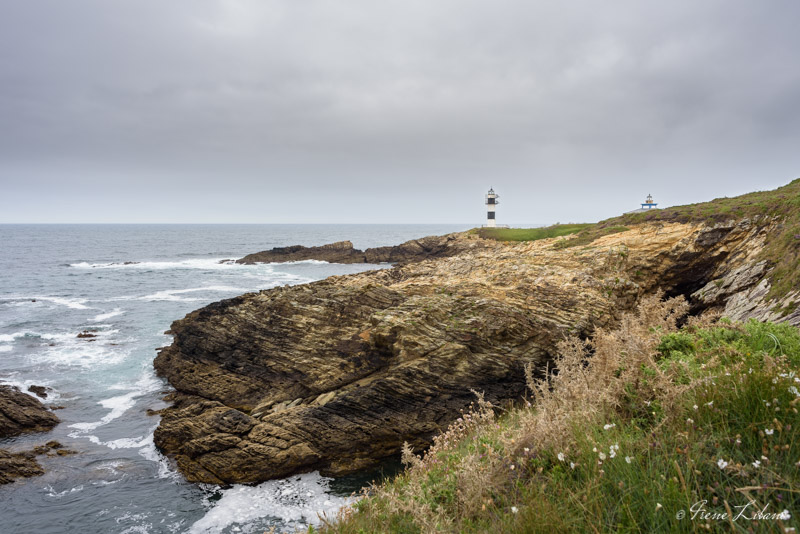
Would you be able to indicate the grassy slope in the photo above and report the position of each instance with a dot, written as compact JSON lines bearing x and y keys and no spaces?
{"x":529,"y":234}
{"x":705,"y":413}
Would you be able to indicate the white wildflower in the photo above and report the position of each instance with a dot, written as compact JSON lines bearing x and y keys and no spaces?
{"x":629,"y":459}
{"x":769,"y":431}
{"x":514,"y":509}
{"x":561,"y":456}
{"x":658,"y":506}
{"x":757,"y":464}
{"x":526,"y":449}
{"x":785,"y":515}
{"x":722,"y":463}
{"x":690,"y":421}
{"x":710,"y":403}
{"x":572,"y":465}
{"x":695,"y":407}
{"x":601,"y":455}
{"x":609,"y":426}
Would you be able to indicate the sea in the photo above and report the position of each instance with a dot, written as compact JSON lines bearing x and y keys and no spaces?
{"x":125,"y":284}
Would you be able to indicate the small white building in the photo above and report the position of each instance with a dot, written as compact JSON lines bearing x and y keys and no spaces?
{"x":647,"y":205}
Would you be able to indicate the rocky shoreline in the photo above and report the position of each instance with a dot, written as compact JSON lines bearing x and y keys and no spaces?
{"x":344,"y":252}
{"x":335,"y":375}
{"x":22,"y":414}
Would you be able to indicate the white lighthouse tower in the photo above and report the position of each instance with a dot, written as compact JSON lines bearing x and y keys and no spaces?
{"x":491,"y":202}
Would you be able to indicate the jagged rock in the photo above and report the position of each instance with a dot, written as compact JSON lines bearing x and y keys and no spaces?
{"x":39,"y":391}
{"x":86,"y":335}
{"x":343,"y":252}
{"x":21,"y":413}
{"x":337,"y":374}
{"x":340,"y":252}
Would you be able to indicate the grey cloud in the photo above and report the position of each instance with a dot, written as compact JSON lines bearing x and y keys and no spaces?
{"x":200,"y":110}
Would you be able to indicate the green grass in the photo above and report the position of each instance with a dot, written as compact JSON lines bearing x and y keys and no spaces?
{"x":729,"y":441}
{"x":529,"y":234}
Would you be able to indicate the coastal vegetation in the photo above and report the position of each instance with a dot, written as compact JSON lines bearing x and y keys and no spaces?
{"x":781,"y":250}
{"x":529,"y":234}
{"x":662,"y":429}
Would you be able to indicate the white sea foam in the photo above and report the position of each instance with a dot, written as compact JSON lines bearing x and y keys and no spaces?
{"x":20,"y":300}
{"x":174,"y":295}
{"x":67,"y":349}
{"x":297,"y":500}
{"x":149,"y":452}
{"x":6,"y":348}
{"x":103,"y":316}
{"x":206,"y":264}
{"x":51,"y":492}
{"x":118,"y":406}
{"x":52,"y":394}
{"x":9,"y":338}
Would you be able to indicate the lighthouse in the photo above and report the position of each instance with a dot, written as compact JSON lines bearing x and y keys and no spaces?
{"x":648,"y":204}
{"x":491,"y":202}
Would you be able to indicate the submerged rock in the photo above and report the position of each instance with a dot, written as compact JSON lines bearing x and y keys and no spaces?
{"x":15,"y":465}
{"x":39,"y":391}
{"x":337,"y":374}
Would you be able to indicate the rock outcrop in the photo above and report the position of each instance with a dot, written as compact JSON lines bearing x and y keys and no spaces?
{"x":14,"y":465}
{"x":21,"y":413}
{"x":344,"y":252}
{"x":336,"y":374}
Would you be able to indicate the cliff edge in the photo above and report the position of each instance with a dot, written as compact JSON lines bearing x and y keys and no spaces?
{"x":337,"y":374}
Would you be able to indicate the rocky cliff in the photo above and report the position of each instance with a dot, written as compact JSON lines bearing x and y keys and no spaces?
{"x":336,"y":374}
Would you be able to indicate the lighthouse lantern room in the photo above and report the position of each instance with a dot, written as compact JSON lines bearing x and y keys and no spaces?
{"x":491,"y":202}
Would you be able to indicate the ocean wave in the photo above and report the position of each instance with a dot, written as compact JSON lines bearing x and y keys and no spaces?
{"x":53,"y":394}
{"x":298,"y":501}
{"x":146,"y":383}
{"x":51,"y":492}
{"x":108,"y":315}
{"x":206,"y":264}
{"x":174,"y":295}
{"x":72,"y":303}
{"x":118,"y":406}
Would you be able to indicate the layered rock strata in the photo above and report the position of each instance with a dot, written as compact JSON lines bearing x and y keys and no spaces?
{"x":336,"y":374}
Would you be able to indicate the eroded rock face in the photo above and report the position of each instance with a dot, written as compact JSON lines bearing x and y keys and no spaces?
{"x":336,"y":374}
{"x":21,"y":413}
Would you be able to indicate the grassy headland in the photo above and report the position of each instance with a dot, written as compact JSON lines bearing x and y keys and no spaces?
{"x":782,"y":250}
{"x":529,"y":234}
{"x":665,"y":429}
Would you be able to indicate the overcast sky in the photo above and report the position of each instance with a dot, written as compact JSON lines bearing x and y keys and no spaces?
{"x":366,"y":111}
